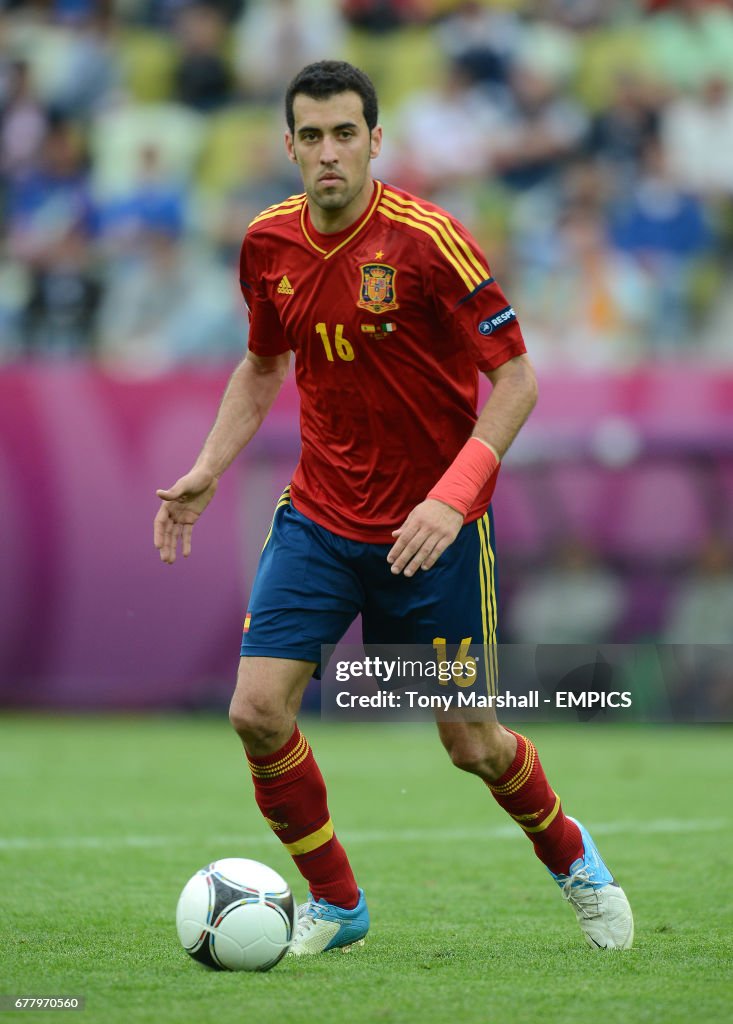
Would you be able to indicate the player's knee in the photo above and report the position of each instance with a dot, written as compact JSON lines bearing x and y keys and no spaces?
{"x":467,"y":756}
{"x":254,"y":722}
{"x":478,"y":756}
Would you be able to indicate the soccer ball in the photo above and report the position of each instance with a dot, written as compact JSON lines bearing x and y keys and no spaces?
{"x":236,"y":915}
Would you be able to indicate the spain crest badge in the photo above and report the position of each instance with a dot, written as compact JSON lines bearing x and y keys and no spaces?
{"x":377,"y":293}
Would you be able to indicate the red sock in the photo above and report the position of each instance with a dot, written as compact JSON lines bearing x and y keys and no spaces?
{"x":291,"y":793}
{"x":523,"y":791}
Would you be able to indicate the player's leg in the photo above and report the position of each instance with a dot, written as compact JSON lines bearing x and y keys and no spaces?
{"x":454,"y":604}
{"x":560,"y":842}
{"x":303,"y":596}
{"x":289,"y":787}
{"x":508,"y":763}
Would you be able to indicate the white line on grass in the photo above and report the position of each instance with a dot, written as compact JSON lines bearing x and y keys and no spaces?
{"x":667,"y":826}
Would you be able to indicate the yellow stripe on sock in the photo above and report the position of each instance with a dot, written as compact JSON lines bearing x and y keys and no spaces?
{"x":547,"y":822}
{"x":269,"y":771}
{"x":311,"y":842}
{"x":521,"y":776}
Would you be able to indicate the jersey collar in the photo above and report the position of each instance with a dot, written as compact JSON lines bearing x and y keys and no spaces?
{"x":341,"y":238}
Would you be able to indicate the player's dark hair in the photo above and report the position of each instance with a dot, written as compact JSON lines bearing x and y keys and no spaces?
{"x":327,"y":78}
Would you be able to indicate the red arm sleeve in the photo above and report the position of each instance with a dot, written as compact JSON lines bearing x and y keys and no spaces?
{"x":266,"y":336}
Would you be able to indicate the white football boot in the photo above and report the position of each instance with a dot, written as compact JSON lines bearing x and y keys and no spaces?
{"x":321,"y":926}
{"x":599,"y":902}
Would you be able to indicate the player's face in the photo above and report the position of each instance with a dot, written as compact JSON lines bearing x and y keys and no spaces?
{"x":332,"y":146}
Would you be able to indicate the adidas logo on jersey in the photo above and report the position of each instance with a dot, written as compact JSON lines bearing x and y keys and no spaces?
{"x":285,"y":287}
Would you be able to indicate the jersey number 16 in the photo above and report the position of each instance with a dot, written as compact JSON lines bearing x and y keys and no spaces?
{"x":344,"y":348}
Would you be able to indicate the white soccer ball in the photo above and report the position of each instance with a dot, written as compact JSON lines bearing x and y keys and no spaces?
{"x":236,"y":915}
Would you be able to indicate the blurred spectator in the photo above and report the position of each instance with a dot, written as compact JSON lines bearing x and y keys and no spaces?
{"x":118,"y":136}
{"x":22,"y":122}
{"x":379,"y":16}
{"x":275,"y":38}
{"x":72,"y":52}
{"x":50,"y":202}
{"x":169,"y":307}
{"x":89,"y":76}
{"x":270,"y":177}
{"x":541,"y":128}
{"x":688,"y":40}
{"x":548,"y":48}
{"x":159,"y":14}
{"x":701,"y":611}
{"x":689,"y":125}
{"x":14,"y":291}
{"x":574,"y":601}
{"x":163,"y":13}
{"x":481,"y":40}
{"x":155,"y":201}
{"x":664,"y":228}
{"x":203,"y":78}
{"x":446,"y":133}
{"x":583,"y":304}
{"x":495,"y":118}
{"x":579,"y":15}
{"x":620,"y":132}
{"x":64,"y":296}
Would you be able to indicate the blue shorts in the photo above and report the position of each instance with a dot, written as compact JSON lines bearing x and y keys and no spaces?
{"x":311,"y":584}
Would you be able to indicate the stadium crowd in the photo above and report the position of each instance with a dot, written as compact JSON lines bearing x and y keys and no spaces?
{"x":588,"y":144}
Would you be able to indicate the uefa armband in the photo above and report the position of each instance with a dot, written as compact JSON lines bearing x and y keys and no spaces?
{"x":466,"y":475}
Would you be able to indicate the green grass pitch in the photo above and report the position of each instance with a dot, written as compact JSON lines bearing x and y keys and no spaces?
{"x":104,"y":820}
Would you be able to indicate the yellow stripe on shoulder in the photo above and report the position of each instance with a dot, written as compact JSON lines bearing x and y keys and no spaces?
{"x":461,"y":247}
{"x":290,"y":205}
{"x":430,"y":230}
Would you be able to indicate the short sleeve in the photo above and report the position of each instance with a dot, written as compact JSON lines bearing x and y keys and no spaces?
{"x":470,"y":302}
{"x":266,"y":336}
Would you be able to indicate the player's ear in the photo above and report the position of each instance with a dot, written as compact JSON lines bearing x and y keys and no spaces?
{"x":290,"y":147}
{"x":376,"y":142}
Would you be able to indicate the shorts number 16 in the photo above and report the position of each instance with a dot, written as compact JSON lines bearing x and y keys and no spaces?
{"x":344,"y":348}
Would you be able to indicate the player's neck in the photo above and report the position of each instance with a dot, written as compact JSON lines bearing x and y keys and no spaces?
{"x":330,"y":222}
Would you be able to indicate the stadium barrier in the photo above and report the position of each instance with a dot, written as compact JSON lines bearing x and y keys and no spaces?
{"x":89,"y":617}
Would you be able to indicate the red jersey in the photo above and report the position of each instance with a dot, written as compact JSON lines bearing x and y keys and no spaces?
{"x":390,"y":322}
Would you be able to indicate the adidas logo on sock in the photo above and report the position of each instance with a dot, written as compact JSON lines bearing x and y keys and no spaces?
{"x":285,"y":287}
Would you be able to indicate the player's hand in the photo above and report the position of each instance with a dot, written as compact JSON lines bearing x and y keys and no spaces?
{"x":423,"y":537}
{"x":182,"y":504}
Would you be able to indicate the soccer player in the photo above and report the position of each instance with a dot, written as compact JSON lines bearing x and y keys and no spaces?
{"x":391,"y":311}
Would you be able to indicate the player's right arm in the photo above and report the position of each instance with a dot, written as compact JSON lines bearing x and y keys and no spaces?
{"x":251,"y":390}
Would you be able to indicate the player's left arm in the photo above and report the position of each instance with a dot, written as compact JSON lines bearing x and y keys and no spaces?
{"x":435,"y":523}
{"x":512,"y":399}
